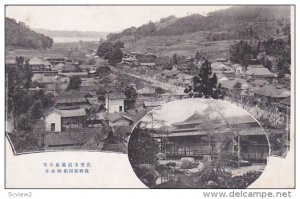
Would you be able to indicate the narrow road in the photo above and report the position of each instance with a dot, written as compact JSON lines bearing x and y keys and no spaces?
{"x":178,"y":90}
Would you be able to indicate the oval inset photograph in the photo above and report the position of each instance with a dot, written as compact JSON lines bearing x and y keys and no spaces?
{"x":198,"y":143}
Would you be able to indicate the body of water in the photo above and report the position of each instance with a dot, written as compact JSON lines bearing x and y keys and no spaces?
{"x":74,"y":39}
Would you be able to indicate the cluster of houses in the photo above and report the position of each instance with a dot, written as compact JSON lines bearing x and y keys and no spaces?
{"x":256,"y":82}
{"x":87,"y":112}
{"x":85,"y":109}
{"x":140,"y":59}
{"x":80,"y":113}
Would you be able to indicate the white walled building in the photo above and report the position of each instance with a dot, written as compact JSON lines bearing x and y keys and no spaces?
{"x":115,"y":102}
{"x":53,"y":122}
{"x":58,"y":120}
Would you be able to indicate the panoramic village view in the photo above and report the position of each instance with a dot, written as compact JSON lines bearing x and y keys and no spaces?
{"x":212,"y":144}
{"x":89,"y":94}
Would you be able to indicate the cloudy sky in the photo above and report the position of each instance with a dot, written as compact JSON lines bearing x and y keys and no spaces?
{"x":178,"y":111}
{"x":98,"y":18}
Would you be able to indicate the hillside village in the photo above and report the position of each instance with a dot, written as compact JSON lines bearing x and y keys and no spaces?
{"x":86,"y":110}
{"x":89,"y":103}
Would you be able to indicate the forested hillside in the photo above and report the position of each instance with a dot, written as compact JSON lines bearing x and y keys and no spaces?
{"x":254,"y":22}
{"x":18,"y":35}
{"x":213,"y":33}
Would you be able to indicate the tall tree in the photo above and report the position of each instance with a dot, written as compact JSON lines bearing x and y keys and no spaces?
{"x":112,"y":52}
{"x":35,"y":111}
{"x":18,"y":80}
{"x":142,"y":148}
{"x":242,"y":53}
{"x":199,"y":55}
{"x":75,"y":82}
{"x":237,"y":89}
{"x":115,"y":56}
{"x":119,"y":44}
{"x":205,"y":84}
{"x":174,"y":60}
{"x":105,"y":49}
{"x":131,"y":95}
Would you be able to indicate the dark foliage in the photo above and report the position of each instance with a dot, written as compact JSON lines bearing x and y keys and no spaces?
{"x":105,"y":49}
{"x":21,"y":102}
{"x":131,"y":95}
{"x":115,"y":56}
{"x":25,"y":141}
{"x":205,"y":85}
{"x":36,"y":110}
{"x":244,"y":51}
{"x":280,"y":48}
{"x":75,"y":82}
{"x":142,"y":148}
{"x":255,"y":22}
{"x":111,"y":52}
{"x":159,"y":90}
{"x":19,"y":35}
{"x":18,"y":79}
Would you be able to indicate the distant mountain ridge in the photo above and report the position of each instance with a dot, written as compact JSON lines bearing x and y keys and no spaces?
{"x":65,"y":33}
{"x":212,"y":33}
{"x":229,"y":19}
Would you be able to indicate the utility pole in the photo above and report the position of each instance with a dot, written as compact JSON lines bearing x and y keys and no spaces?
{"x":239,"y":150}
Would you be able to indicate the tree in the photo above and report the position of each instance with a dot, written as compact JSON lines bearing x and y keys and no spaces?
{"x":167,"y":66}
{"x":18,"y":80}
{"x":242,"y":53}
{"x":142,"y":148}
{"x":46,"y":100}
{"x":267,"y":63}
{"x":197,"y":56}
{"x":159,"y":91}
{"x":19,"y":61}
{"x":283,"y":67}
{"x":174,"y":60}
{"x":237,"y":89}
{"x":35,"y":111}
{"x":75,"y":82}
{"x":119,"y":44}
{"x":131,"y":95}
{"x":101,"y":91}
{"x":105,"y":49}
{"x":103,"y":71}
{"x":112,"y":52}
{"x":205,"y":85}
{"x":20,"y":35}
{"x":115,"y":56}
{"x":200,"y":55}
{"x":23,"y":122}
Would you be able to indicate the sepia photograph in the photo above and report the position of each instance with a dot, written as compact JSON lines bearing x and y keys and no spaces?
{"x":196,"y":96}
{"x":198,"y":143}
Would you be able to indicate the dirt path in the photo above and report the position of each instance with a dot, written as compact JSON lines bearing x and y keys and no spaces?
{"x":177,"y":90}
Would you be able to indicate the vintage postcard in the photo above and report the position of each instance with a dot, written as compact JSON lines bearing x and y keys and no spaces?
{"x":149,"y":96}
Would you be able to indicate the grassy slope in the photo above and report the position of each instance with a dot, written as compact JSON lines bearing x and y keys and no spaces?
{"x":186,"y":44}
{"x":259,"y":23}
